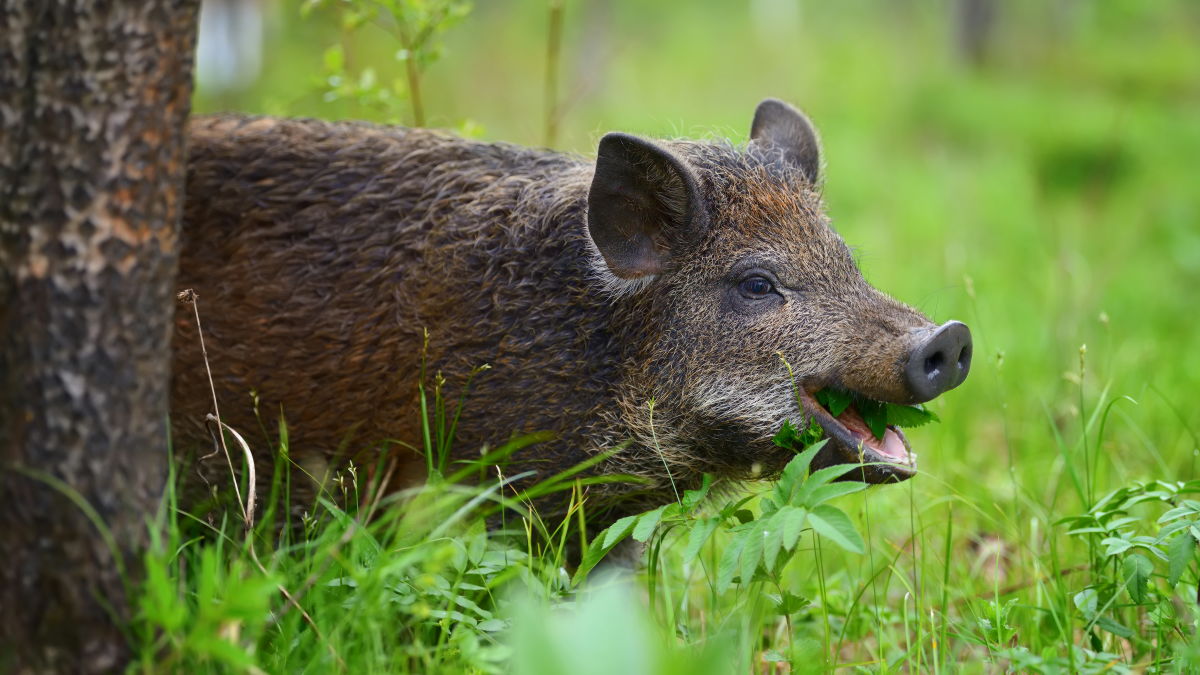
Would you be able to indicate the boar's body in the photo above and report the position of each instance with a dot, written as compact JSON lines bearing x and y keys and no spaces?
{"x":322,"y":252}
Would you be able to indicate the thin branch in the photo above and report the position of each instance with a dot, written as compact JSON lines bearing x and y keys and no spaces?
{"x":189,"y":296}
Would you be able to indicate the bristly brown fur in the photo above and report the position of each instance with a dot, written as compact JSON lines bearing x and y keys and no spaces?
{"x":324,"y":250}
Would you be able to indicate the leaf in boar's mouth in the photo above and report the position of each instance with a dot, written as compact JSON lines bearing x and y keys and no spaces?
{"x":835,"y":401}
{"x":876,"y":414}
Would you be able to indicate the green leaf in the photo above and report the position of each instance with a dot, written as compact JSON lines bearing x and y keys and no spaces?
{"x":646,"y":523}
{"x":1116,"y":545}
{"x":792,"y":521}
{"x":787,"y":436}
{"x":1086,"y":602}
{"x":1137,"y":570}
{"x":1114,"y":627}
{"x":824,"y":493}
{"x":1180,"y":556}
{"x":1189,"y":507}
{"x":752,"y":554}
{"x":909,"y":415}
{"x":772,"y":542}
{"x":729,"y":560}
{"x":834,"y":401}
{"x":831,"y":523}
{"x":874,"y":413}
{"x":618,"y":531}
{"x":790,"y":604}
{"x":692,"y":498}
{"x":1167,"y":530}
{"x":700,"y":533}
{"x":793,"y":473}
{"x":818,"y":479}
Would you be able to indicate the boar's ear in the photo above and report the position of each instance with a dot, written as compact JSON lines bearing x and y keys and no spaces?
{"x":779,"y":125}
{"x":642,"y":203}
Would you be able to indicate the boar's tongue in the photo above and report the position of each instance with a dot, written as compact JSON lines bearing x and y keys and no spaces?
{"x":889,"y":446}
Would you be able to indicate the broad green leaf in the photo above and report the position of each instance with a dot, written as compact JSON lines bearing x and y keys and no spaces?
{"x":1118,"y":523}
{"x":646,"y":524}
{"x":831,"y":523}
{"x":752,"y":554}
{"x":1086,"y":602}
{"x":1181,"y":554}
{"x":1150,"y":544}
{"x":793,"y":473}
{"x":792,"y":521}
{"x":826,"y":492}
{"x":618,"y":531}
{"x":729,"y":561}
{"x":1188,"y":507}
{"x":909,"y":415}
{"x":592,"y":557}
{"x":772,"y":542}
{"x":1116,"y":545}
{"x":874,"y":413}
{"x":834,"y":401}
{"x":700,"y":533}
{"x":1167,"y":530}
{"x":1137,"y":570}
{"x":691,"y":498}
{"x":819,"y":478}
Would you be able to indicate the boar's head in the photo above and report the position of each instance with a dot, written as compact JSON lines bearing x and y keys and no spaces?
{"x":724,"y":260}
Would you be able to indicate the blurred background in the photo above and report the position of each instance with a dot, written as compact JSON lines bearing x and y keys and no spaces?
{"x":1031,"y":167}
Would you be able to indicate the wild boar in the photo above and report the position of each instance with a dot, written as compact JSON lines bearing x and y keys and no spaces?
{"x":674,"y":271}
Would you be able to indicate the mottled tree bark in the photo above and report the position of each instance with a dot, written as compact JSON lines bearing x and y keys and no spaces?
{"x":93,"y":99}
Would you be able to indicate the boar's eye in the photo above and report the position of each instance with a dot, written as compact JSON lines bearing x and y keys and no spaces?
{"x":756,"y":287}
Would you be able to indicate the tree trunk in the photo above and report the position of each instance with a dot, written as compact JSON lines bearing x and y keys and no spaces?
{"x":94,"y":98}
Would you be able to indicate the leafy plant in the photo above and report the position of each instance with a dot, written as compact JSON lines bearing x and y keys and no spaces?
{"x":1126,"y":564}
{"x":759,"y":545}
{"x":416,"y":26}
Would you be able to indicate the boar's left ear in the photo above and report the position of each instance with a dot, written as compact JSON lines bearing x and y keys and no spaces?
{"x":779,"y":125}
{"x":643,"y":204}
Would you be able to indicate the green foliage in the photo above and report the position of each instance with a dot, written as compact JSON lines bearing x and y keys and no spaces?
{"x":416,"y":25}
{"x":1128,"y":566}
{"x":759,"y":546}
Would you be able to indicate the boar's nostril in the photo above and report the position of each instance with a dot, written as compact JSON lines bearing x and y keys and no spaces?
{"x":940,"y":362}
{"x":934,"y":363}
{"x":964,"y":360}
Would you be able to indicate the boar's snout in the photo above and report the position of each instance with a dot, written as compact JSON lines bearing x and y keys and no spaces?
{"x":940,"y":361}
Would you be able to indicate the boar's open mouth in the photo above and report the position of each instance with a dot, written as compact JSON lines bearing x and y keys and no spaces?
{"x":884,"y":460}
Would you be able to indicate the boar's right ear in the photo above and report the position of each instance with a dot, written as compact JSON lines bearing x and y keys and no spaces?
{"x":642,"y":203}
{"x":778,"y":125}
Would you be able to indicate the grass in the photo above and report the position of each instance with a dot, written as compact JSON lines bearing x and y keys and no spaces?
{"x":1047,"y":198}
